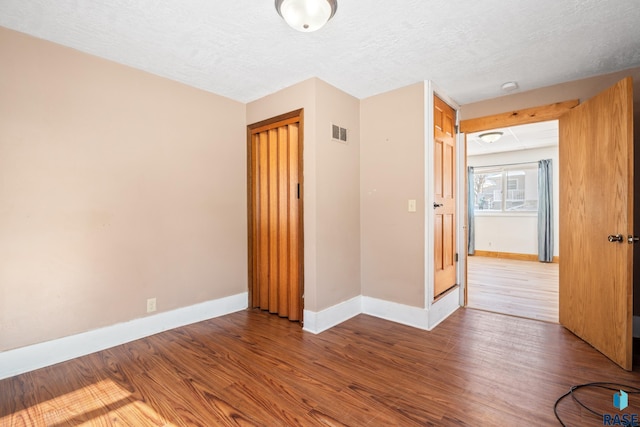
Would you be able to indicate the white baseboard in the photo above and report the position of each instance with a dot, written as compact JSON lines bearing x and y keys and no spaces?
{"x":24,"y":359}
{"x":636,"y":326}
{"x":416,"y":317}
{"x":316,"y":322}
{"x":399,"y":313}
{"x":20,"y":360}
{"x":443,"y":308}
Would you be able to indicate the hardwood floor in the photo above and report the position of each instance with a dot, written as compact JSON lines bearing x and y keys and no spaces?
{"x":519,"y":288}
{"x":255,"y":369}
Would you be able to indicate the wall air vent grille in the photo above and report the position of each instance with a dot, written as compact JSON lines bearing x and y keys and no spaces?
{"x":335,"y":131}
{"x":339,"y":133}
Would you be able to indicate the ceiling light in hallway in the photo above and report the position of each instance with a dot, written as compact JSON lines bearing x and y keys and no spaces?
{"x":509,"y":86}
{"x":490,"y":137}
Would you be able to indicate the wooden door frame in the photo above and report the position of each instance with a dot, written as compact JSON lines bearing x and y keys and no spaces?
{"x":445,"y":301}
{"x":296,"y":115}
{"x":538,"y":114}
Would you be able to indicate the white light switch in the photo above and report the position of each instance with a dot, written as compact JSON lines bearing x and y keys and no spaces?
{"x":412,"y":205}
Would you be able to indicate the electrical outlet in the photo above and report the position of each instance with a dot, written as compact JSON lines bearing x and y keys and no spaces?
{"x":151,"y":305}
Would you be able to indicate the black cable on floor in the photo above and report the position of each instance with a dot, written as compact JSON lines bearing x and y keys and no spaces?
{"x":607,"y":386}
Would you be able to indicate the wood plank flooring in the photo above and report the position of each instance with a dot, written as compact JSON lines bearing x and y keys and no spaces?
{"x":519,"y":288}
{"x":255,"y":369}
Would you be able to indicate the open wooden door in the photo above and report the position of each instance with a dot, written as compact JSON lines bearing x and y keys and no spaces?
{"x":596,"y":222}
{"x":444,"y":174}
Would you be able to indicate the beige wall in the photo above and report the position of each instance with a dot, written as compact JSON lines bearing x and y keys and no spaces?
{"x":115,"y":186}
{"x":331,"y":188}
{"x":338,"y":197}
{"x":392,"y":171}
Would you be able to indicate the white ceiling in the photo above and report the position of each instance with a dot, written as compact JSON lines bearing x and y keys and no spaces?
{"x":523,"y":137}
{"x":243,"y":50}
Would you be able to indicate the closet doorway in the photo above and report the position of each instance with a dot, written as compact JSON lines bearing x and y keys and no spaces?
{"x":275,"y":227}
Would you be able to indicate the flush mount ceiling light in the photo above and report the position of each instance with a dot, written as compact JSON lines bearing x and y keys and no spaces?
{"x":509,"y":86}
{"x":306,"y":15}
{"x":490,"y":137}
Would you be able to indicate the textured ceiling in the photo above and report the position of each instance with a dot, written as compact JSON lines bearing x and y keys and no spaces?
{"x":243,"y":50}
{"x":523,"y":137}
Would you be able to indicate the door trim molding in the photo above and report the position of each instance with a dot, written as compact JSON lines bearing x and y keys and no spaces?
{"x":430,"y":91}
{"x":541,"y":113}
{"x":437,"y":309}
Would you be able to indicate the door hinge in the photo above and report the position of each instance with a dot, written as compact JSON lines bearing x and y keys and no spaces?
{"x":455,"y":127}
{"x":298,"y":190}
{"x":456,"y":257}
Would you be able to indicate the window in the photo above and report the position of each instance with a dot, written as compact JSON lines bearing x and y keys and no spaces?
{"x":506,"y":188}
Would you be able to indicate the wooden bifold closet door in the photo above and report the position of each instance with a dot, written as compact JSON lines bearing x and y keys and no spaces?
{"x":275,"y":217}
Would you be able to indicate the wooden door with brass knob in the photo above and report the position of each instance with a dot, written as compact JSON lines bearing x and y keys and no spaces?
{"x":596,"y":215}
{"x":444,"y":197}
